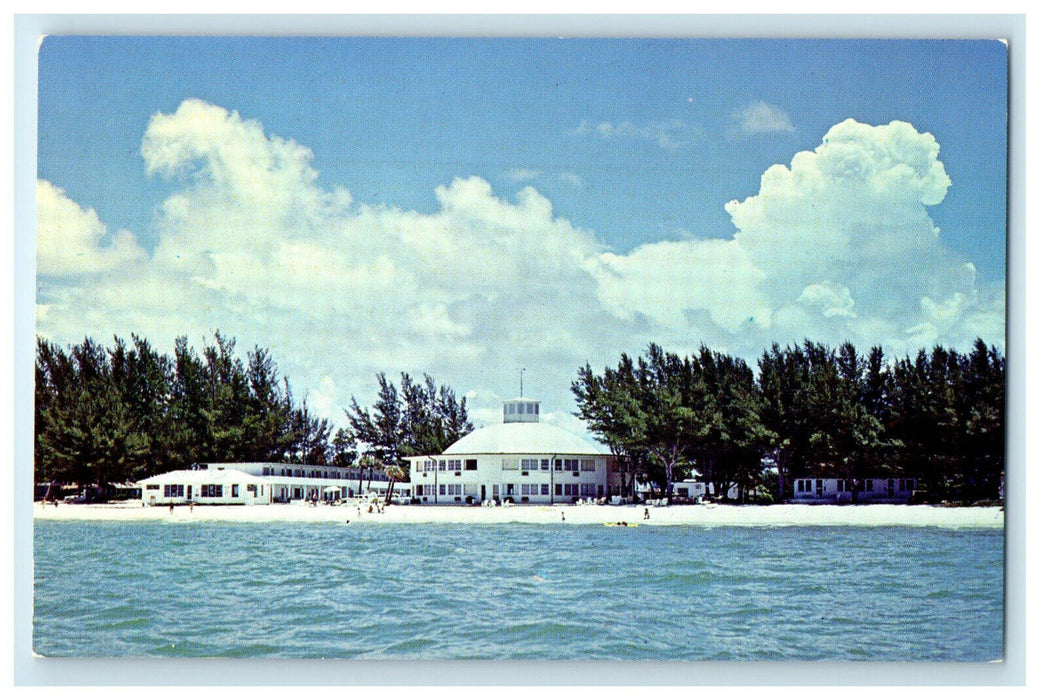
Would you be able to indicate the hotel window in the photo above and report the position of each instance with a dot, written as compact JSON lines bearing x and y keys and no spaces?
{"x":559,"y":489}
{"x":442,"y":464}
{"x":454,"y":465}
{"x":588,"y":465}
{"x":545,"y":489}
{"x":529,"y":464}
{"x":236,"y":490}
{"x":570,"y":465}
{"x":152,"y":487}
{"x":558,"y":465}
{"x":443,"y":489}
{"x":470,"y":465}
{"x":510,"y":464}
{"x":545,"y":465}
{"x":509,"y":489}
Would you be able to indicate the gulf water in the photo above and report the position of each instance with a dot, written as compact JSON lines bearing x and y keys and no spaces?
{"x":309,"y":590}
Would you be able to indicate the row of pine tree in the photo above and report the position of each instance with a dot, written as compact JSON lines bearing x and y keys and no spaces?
{"x":105,"y":415}
{"x":812,"y":410}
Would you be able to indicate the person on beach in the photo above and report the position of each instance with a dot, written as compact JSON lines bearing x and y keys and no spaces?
{"x":646,"y":514}
{"x":563,"y":518}
{"x":171,"y":508}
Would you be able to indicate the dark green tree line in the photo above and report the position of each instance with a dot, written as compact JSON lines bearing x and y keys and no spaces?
{"x":813,"y":411}
{"x":107,"y":415}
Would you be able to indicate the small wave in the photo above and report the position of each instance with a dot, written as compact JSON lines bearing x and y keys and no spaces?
{"x":408,"y":647}
{"x":133,"y":623}
{"x":244,"y":651}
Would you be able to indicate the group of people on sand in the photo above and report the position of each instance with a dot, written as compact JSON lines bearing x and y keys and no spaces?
{"x":371,"y":508}
{"x":374,"y":507}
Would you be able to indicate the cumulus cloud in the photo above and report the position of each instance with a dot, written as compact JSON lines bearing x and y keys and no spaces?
{"x":837,"y":245}
{"x":249,"y":243}
{"x":666,"y":282}
{"x":73,"y":242}
{"x":831,"y":299}
{"x":761,"y":118}
{"x":852,"y":216}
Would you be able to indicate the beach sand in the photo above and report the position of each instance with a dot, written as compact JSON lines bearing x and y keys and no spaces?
{"x":765,"y":516}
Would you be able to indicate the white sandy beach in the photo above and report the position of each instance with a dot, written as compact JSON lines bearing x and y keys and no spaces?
{"x":765,"y":516}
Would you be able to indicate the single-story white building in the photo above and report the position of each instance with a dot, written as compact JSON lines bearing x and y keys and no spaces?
{"x":687,"y":488}
{"x":214,"y":487}
{"x":250,"y":483}
{"x":835,"y":490}
{"x":519,"y":460}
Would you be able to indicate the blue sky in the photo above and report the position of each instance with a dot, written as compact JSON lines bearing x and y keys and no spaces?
{"x":362,"y":205}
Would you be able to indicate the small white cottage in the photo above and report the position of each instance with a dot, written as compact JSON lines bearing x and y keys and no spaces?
{"x":206,"y":486}
{"x":834,"y":490}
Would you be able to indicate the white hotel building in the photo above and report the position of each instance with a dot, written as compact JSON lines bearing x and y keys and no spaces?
{"x":519,"y":460}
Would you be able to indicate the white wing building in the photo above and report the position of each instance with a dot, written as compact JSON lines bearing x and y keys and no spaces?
{"x":252,"y":483}
{"x":520,"y":461}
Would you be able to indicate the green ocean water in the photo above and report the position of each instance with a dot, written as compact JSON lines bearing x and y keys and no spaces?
{"x":308,"y":590}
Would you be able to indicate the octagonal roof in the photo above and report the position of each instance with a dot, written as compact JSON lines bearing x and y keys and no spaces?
{"x":523,"y":438}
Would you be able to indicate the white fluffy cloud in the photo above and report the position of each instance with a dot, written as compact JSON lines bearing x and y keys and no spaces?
{"x":72,"y":242}
{"x":837,"y":245}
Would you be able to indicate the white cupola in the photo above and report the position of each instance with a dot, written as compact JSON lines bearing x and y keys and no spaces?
{"x":520,"y":411}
